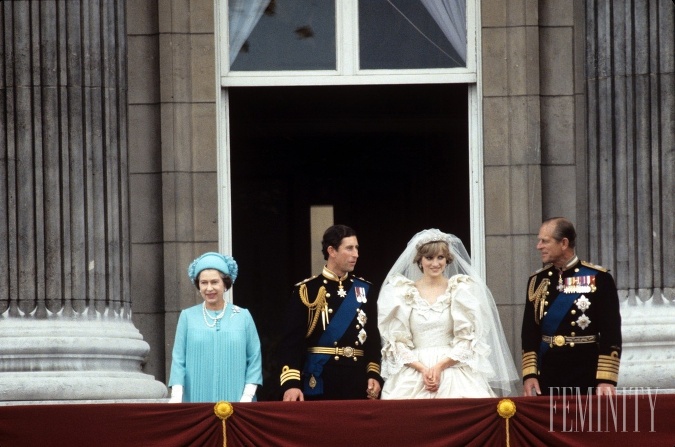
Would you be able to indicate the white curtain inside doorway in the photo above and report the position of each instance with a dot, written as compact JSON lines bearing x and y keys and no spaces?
{"x":450,"y":15}
{"x":243,"y":17}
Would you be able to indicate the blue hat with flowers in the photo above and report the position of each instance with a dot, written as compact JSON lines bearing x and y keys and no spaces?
{"x":212,"y":260}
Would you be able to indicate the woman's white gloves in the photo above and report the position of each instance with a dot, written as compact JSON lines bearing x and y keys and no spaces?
{"x":249,"y":392}
{"x":247,"y":396}
{"x":176,"y":394}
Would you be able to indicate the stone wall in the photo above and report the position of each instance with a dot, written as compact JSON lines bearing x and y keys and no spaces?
{"x":172,"y":129}
{"x":533,"y":133}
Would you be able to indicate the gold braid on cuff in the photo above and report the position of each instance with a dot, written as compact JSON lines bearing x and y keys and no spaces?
{"x":608,"y":367}
{"x":287,"y":373}
{"x":373,"y":367}
{"x":529,"y":363}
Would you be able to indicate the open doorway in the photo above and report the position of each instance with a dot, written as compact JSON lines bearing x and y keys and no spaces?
{"x":391,"y":160}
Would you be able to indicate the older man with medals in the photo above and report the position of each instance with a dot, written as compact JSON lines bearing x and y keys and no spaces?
{"x":571,"y":333}
{"x":330,"y":348}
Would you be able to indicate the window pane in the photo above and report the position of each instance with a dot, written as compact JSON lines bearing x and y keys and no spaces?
{"x":289,"y":35}
{"x":403,"y":34}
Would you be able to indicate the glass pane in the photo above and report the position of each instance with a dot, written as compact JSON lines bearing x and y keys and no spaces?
{"x":282,"y":35}
{"x":406,"y":34}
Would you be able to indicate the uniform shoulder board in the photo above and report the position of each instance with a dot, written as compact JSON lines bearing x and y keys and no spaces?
{"x":364,"y":280}
{"x":306,"y":280}
{"x":546,"y":267}
{"x":593,"y":266}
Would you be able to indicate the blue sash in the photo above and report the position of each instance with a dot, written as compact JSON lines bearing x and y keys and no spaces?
{"x":558,"y":310}
{"x":334,"y":331}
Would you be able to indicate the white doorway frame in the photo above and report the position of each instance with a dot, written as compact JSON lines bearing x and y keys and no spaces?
{"x":348,"y":73}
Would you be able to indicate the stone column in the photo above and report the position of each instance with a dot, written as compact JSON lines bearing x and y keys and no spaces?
{"x":65,"y":312}
{"x":630,"y":65}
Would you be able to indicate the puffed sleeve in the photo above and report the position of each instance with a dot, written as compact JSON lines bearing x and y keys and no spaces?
{"x":394,"y":324}
{"x":469,"y":326}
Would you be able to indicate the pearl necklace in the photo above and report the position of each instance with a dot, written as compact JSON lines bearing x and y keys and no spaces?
{"x":215,"y":319}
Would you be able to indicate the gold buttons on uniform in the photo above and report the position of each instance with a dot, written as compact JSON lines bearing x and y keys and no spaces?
{"x":358,"y":326}
{"x":573,"y":323}
{"x":328,"y":295}
{"x":573,"y":312}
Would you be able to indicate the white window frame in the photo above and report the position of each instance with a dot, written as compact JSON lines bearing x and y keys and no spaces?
{"x":347,"y":72}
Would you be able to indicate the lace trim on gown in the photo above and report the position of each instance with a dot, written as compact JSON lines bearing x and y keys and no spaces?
{"x":466,"y":346}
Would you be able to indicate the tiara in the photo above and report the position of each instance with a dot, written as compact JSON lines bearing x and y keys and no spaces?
{"x":432,"y":235}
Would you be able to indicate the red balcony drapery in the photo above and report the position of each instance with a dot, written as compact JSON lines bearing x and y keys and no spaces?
{"x":538,"y":421}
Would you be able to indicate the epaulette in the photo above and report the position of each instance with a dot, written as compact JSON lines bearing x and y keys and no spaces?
{"x":593,"y":266}
{"x":546,"y":267}
{"x":364,"y":280}
{"x":306,"y":280}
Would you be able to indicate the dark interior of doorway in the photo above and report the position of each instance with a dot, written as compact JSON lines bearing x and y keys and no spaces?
{"x":391,"y":160}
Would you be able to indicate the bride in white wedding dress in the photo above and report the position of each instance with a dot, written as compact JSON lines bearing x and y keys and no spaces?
{"x":441,"y":334}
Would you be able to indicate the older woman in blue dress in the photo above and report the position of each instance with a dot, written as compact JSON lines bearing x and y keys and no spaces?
{"x":216,"y":353}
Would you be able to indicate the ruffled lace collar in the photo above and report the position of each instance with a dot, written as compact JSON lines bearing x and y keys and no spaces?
{"x":412,"y":296}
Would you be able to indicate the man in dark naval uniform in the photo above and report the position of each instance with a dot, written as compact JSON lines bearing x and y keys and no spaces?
{"x":330,"y":347}
{"x":571,"y":333}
